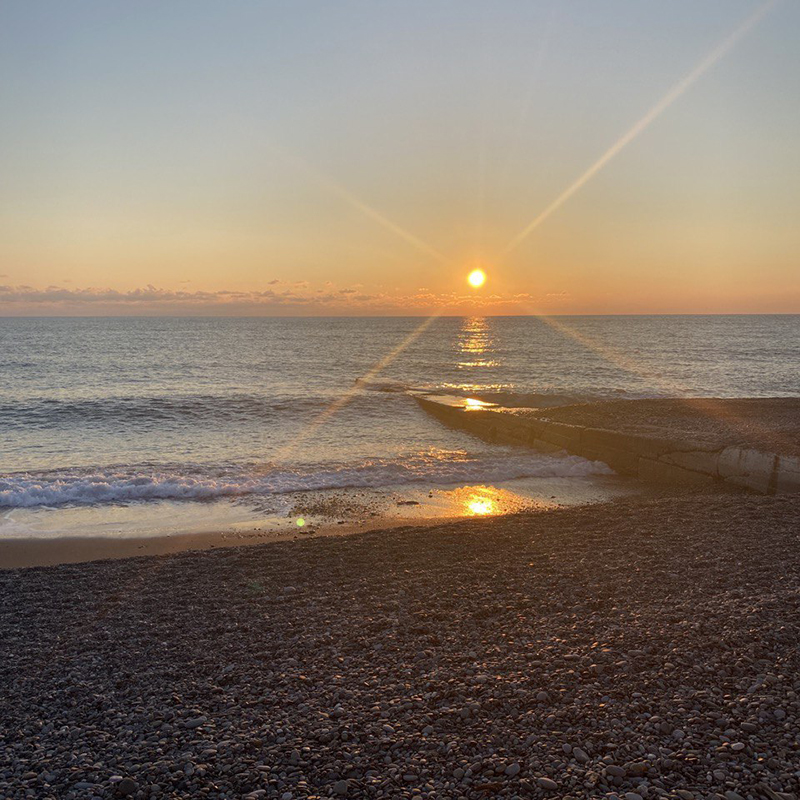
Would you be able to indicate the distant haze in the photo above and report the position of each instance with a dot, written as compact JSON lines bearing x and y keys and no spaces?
{"x":360,"y":158}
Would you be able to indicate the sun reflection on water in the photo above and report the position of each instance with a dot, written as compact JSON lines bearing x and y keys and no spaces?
{"x":475,"y":343}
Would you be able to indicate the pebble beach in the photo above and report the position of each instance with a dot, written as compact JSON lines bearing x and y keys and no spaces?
{"x":640,"y":648}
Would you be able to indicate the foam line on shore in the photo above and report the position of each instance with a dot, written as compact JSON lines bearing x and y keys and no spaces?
{"x":130,"y":485}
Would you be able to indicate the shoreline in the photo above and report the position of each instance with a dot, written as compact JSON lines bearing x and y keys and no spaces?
{"x":126,"y":532}
{"x":25,"y":553}
{"x":645,"y":646}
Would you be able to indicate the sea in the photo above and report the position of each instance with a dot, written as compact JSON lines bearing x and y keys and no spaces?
{"x":133,"y":426}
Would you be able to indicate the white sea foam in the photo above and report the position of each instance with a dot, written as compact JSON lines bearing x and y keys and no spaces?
{"x":120,"y":485}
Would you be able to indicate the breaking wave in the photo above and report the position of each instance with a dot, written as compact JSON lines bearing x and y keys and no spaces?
{"x":126,"y":484}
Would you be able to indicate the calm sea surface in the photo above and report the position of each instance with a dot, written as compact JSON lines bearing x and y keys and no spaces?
{"x":111,"y":411}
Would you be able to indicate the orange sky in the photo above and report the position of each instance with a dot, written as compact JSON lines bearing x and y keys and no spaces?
{"x":287,"y":160}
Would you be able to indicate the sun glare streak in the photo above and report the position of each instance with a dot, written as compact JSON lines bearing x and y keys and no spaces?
{"x":662,"y":105}
{"x":351,"y":199}
{"x":708,"y":405}
{"x":477,"y":277}
{"x":344,"y":399}
{"x":613,"y":356}
{"x":544,"y":47}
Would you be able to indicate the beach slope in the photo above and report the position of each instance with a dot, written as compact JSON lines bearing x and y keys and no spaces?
{"x":641,"y":646}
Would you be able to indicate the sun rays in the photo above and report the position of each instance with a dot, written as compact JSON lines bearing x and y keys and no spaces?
{"x":717,"y":53}
{"x":348,"y":395}
{"x":477,"y":277}
{"x":330,"y":186}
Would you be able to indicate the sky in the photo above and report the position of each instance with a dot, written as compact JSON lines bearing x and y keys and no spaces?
{"x":256,"y":157}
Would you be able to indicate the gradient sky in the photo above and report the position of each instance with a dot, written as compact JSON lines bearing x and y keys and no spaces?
{"x":245,"y":157}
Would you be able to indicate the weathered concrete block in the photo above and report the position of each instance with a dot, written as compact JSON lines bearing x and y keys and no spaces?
{"x":707,"y":463}
{"x":546,"y":447}
{"x":566,"y":436}
{"x":750,"y":468}
{"x":535,"y":426}
{"x":788,"y":474}
{"x":661,"y":472}
{"x":655,"y":446}
{"x":600,"y":439}
{"x":517,"y":430}
{"x":622,"y":461}
{"x":651,"y":458}
{"x":475,"y":421}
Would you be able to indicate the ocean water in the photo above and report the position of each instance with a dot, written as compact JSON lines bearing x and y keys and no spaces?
{"x":102,"y":412}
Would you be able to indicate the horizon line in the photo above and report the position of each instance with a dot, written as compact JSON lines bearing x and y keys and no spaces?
{"x":405,"y":316}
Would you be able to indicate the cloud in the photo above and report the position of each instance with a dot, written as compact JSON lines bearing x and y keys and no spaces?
{"x":300,"y":297}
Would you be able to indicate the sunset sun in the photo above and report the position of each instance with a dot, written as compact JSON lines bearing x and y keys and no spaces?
{"x":476,"y":278}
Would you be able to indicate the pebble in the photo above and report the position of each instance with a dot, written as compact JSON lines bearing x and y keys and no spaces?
{"x":127,"y":786}
{"x":616,"y":771}
{"x":454,"y":662}
{"x":749,"y":727}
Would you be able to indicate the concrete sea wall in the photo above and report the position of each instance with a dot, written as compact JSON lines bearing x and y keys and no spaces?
{"x":660,"y":460}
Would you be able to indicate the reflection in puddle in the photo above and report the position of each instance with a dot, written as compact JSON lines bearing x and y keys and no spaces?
{"x":481,"y":506}
{"x":480,"y":501}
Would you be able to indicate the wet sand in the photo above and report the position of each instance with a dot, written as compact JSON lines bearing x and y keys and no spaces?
{"x":31,"y":552}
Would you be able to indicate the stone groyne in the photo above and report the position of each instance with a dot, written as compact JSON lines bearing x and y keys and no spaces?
{"x":673,"y":459}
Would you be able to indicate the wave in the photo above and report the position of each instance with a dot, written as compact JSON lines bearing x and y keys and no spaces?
{"x":237,"y":407}
{"x":122,"y":484}
{"x":52,"y":413}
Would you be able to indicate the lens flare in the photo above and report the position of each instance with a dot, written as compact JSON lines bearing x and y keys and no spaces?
{"x":476,"y":278}
{"x":719,"y":52}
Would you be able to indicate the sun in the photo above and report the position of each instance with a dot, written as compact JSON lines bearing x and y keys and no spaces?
{"x":476,"y":278}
